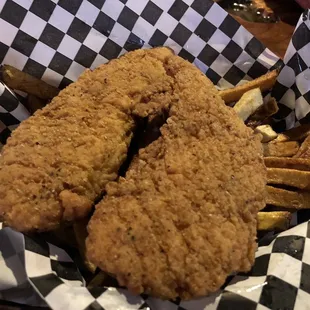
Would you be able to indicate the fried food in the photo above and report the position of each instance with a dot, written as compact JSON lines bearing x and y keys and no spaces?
{"x":188,"y":201}
{"x":277,"y":220}
{"x":264,"y":82}
{"x":34,"y":103}
{"x":295,"y":134}
{"x":304,"y":151}
{"x":25,"y":82}
{"x":59,"y":160}
{"x":249,"y":103}
{"x":263,"y":113}
{"x":289,"y":177}
{"x":302,"y":164}
{"x":288,"y":199}
{"x":281,"y":149}
{"x":268,"y":134}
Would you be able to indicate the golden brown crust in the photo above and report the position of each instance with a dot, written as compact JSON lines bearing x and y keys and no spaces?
{"x":60,"y":159}
{"x":184,"y":217}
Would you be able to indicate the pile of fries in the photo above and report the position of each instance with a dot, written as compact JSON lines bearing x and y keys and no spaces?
{"x":285,"y":154}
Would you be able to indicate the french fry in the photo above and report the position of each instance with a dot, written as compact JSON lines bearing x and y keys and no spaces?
{"x":249,"y":103}
{"x":289,"y":177}
{"x":278,"y":220}
{"x":302,"y":164}
{"x":34,"y":103}
{"x":304,"y":150}
{"x":17,"y":79}
{"x":264,"y":82}
{"x":296,"y":134}
{"x":268,"y":134}
{"x":287,"y":199}
{"x":80,"y":231}
{"x":281,"y":138}
{"x":281,"y":149}
{"x":263,"y":113}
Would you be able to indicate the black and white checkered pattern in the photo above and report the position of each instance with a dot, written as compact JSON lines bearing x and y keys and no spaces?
{"x":68,"y":38}
{"x":279,"y":279}
{"x":12,"y":112}
{"x":55,"y":40}
{"x":292,"y":89}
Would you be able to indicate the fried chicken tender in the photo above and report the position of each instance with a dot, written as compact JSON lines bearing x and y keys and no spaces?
{"x":59,"y":160}
{"x":184,"y":217}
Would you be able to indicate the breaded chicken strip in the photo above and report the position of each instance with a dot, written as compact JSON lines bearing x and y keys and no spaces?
{"x":184,"y":217}
{"x":59,"y":160}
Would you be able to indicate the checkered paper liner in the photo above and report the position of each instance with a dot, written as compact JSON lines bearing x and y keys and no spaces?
{"x":41,"y":274}
{"x":292,"y":89}
{"x":55,"y":40}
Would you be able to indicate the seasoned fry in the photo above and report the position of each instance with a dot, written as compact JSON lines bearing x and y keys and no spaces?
{"x":289,"y":177}
{"x":249,"y":103}
{"x":296,"y":134}
{"x":281,"y":149}
{"x":281,"y":138}
{"x":288,"y":199}
{"x":304,"y":151}
{"x":17,"y":79}
{"x":264,"y":82}
{"x":34,"y":103}
{"x":267,"y":132}
{"x":302,"y":164}
{"x":263,"y":113}
{"x":279,"y":220}
{"x":80,"y":231}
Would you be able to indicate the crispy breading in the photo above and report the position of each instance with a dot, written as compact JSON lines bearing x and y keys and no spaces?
{"x":288,"y":163}
{"x":59,"y":160}
{"x":184,"y":217}
{"x":264,"y":82}
{"x":287,"y":199}
{"x":280,"y":149}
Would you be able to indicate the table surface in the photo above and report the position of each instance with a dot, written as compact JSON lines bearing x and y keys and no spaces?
{"x":275,"y":36}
